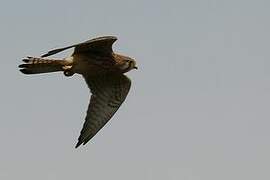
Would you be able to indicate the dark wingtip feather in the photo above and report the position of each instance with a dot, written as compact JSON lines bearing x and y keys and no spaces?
{"x":49,"y":53}
{"x":78,"y":144}
{"x":45,"y":55}
{"x":52,"y":52}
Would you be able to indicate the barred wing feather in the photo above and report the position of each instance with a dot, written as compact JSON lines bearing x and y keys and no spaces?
{"x":108,"y":93}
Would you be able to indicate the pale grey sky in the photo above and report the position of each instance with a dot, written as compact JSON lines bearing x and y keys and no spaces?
{"x":199,"y":104}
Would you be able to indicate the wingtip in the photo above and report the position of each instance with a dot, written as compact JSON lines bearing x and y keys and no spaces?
{"x":45,"y":55}
{"x":78,"y":144}
{"x":81,"y":142}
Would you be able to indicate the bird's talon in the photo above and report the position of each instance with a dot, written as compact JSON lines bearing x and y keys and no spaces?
{"x":68,"y":73}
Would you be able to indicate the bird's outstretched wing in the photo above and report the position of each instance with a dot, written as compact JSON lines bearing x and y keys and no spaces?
{"x":108,"y":93}
{"x":98,"y":45}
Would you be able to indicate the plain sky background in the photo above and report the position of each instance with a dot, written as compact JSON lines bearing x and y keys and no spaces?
{"x":198,"y":109}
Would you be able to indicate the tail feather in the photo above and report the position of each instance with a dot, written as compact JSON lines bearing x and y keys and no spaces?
{"x":40,"y":65}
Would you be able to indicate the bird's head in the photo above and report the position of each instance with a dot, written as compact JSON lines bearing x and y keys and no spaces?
{"x":127,"y":64}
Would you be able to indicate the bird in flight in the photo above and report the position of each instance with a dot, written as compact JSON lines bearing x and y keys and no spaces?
{"x":103,"y":71}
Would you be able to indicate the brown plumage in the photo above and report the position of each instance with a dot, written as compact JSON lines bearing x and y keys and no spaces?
{"x":103,"y":71}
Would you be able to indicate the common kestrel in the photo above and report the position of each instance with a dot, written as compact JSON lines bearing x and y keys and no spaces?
{"x":103,"y":71}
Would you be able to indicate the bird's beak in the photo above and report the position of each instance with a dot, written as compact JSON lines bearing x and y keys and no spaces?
{"x":135,"y":67}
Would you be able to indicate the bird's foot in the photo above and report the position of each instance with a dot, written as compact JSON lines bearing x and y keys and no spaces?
{"x":68,"y":72}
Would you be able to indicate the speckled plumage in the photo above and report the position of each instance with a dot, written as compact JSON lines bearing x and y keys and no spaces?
{"x":103,"y":71}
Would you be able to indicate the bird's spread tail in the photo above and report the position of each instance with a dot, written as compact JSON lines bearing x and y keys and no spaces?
{"x":35,"y":65}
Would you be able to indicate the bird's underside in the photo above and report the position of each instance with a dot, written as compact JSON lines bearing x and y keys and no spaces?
{"x":103,"y":72}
